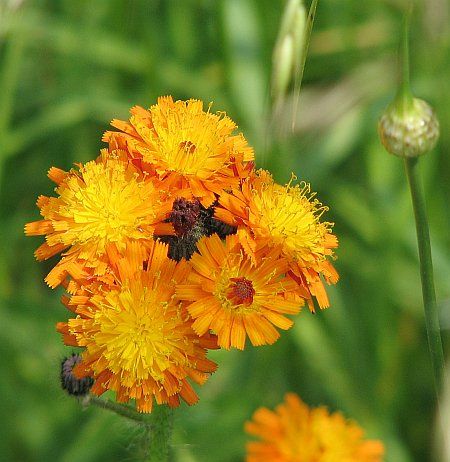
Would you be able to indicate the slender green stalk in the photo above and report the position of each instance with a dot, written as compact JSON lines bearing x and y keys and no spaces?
{"x":301,"y":59}
{"x":426,"y":271}
{"x":404,"y":91}
{"x":302,"y":63}
{"x":119,"y":409}
{"x":405,"y":103}
{"x":159,"y":434}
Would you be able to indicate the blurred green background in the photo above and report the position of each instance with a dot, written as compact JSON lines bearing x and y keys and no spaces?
{"x":68,"y":67}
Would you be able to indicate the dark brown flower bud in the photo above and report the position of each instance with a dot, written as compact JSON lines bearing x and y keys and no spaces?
{"x":70,"y":383}
{"x":191,"y":221}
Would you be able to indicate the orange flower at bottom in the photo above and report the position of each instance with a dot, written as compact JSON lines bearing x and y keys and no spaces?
{"x":296,"y":433}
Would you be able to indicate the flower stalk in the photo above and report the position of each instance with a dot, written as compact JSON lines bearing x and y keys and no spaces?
{"x":422,"y":229}
{"x":426,"y":270}
{"x":159,"y":434}
{"x":404,"y":95}
{"x":119,"y":409}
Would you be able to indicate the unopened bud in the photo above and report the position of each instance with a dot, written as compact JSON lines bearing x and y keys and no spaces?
{"x":191,"y":221}
{"x":299,"y":37}
{"x":409,"y":130}
{"x":70,"y":383}
{"x":289,"y":52}
{"x":283,"y":61}
{"x":287,"y":21}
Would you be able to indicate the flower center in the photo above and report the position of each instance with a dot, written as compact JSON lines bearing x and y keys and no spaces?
{"x":241,"y":291}
{"x":110,"y":205}
{"x":291,"y":219}
{"x":188,"y":146}
{"x":188,"y":140}
{"x":138,"y":333}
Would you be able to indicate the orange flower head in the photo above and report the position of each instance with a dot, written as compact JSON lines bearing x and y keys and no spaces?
{"x":288,"y":218}
{"x":186,"y":146}
{"x":296,"y":433}
{"x":138,"y":340}
{"x":99,"y":209}
{"x":234,"y":298}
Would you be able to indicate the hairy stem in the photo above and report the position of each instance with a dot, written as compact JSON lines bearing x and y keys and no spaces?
{"x":119,"y":409}
{"x":159,"y":434}
{"x":157,"y":426}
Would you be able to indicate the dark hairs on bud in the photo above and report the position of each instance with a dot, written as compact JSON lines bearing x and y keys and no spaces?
{"x":70,"y":383}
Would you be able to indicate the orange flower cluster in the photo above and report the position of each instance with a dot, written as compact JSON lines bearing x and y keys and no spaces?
{"x":171,"y":244}
{"x":296,"y":433}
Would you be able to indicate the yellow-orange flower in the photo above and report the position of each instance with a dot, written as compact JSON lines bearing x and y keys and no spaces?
{"x":99,"y":208}
{"x":235,"y":299}
{"x":138,"y":340}
{"x":186,"y":146}
{"x":269,"y":215}
{"x":296,"y":433}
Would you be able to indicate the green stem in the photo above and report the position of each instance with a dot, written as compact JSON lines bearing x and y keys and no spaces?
{"x":405,"y":94}
{"x":119,"y":409}
{"x":301,"y":67}
{"x":159,"y":433}
{"x":426,"y":271}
